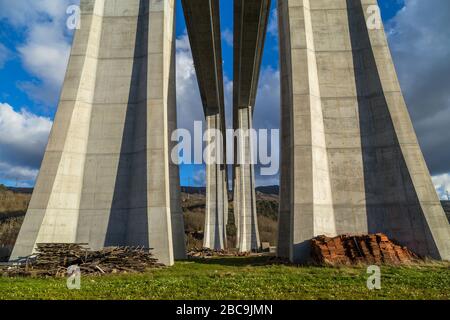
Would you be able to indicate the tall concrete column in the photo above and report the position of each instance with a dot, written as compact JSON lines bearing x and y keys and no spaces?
{"x":215,"y":215}
{"x":245,"y":203}
{"x":250,"y":26}
{"x":203,"y":26}
{"x":350,"y":159}
{"x":306,"y":202}
{"x":106,"y":178}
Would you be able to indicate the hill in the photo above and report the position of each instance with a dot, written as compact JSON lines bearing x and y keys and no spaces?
{"x":14,"y":202}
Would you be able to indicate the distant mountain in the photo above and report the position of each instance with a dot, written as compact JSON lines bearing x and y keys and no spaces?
{"x":269,"y":189}
{"x":21,"y":190}
{"x":193,"y":190}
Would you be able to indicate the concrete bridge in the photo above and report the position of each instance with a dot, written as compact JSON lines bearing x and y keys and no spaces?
{"x":350,"y":158}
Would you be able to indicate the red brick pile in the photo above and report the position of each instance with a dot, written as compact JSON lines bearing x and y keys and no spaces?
{"x":361,"y":249}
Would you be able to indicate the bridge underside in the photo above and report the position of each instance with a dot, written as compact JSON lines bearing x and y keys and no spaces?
{"x":203,"y":26}
{"x":250,"y":25}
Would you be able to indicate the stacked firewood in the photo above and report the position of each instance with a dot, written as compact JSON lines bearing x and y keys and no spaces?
{"x":54,"y":260}
{"x":360,"y":249}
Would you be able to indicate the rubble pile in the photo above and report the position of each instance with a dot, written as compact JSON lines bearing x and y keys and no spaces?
{"x":360,"y":249}
{"x":206,"y":253}
{"x":54,"y":259}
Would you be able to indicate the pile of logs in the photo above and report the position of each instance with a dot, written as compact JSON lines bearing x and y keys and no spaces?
{"x":54,"y":260}
{"x":361,"y":249}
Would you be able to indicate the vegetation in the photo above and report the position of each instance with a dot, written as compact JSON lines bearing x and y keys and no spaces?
{"x":12,"y":211}
{"x":267,"y":208}
{"x":9,"y":229}
{"x":243,"y":278}
{"x":11,"y":202}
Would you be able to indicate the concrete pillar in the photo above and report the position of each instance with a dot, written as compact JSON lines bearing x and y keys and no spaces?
{"x":306,"y":203}
{"x":350,"y":161}
{"x":250,"y":25}
{"x":236,"y":201}
{"x":245,"y":201}
{"x":216,"y":210}
{"x":54,"y":208}
{"x":106,"y":178}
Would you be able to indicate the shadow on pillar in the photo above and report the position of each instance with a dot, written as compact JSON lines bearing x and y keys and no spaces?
{"x":392,"y":203}
{"x":177,"y":215}
{"x":128,"y":222}
{"x":286,"y":193}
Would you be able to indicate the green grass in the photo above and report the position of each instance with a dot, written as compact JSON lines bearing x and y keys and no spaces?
{"x":242,"y":278}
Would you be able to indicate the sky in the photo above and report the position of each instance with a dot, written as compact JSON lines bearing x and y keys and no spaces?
{"x":35,"y":46}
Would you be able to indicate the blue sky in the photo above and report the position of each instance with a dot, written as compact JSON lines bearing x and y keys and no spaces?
{"x":35,"y":43}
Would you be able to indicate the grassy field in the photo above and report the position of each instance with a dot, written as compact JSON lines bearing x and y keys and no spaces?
{"x":243,"y":278}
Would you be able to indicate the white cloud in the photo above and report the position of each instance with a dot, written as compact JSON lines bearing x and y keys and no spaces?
{"x":46,"y":53}
{"x":23,"y":137}
{"x":272,"y":28}
{"x":23,"y":12}
{"x":23,"y":176}
{"x":189,"y":104}
{"x":442,"y":184}
{"x":267,"y":109}
{"x":45,"y":50}
{"x":200,"y":177}
{"x":267,"y":116}
{"x":227,"y":36}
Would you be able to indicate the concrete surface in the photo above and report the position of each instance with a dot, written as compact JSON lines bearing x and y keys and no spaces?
{"x":350,"y":158}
